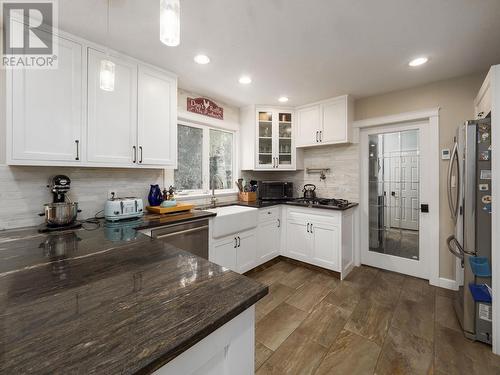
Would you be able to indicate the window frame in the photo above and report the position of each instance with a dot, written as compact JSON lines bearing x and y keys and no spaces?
{"x":205,"y":190}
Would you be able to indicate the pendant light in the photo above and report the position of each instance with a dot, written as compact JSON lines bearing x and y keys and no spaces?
{"x":107,"y":72}
{"x":170,"y":22}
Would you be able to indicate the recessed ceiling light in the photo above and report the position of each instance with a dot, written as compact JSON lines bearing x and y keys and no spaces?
{"x":245,"y":80}
{"x":418,"y":61}
{"x":283,"y":99}
{"x":202,"y":59}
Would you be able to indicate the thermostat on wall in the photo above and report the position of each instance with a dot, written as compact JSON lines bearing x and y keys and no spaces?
{"x":445,"y":154}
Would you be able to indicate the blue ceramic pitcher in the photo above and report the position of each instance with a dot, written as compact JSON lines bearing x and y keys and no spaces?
{"x":155,"y":196}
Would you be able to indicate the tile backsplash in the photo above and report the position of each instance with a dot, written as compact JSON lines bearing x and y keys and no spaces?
{"x":342,"y":181}
{"x":23,"y":190}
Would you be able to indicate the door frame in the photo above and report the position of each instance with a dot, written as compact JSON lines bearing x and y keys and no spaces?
{"x":428,"y":123}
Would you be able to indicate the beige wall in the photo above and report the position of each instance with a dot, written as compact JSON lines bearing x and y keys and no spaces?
{"x":455,"y":98}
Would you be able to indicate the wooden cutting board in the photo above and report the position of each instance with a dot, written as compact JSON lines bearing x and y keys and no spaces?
{"x":169,"y":210}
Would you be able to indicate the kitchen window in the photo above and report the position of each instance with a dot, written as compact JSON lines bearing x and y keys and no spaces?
{"x":206,"y":156}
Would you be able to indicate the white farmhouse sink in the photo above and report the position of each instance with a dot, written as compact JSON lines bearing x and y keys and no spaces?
{"x":233,"y":219}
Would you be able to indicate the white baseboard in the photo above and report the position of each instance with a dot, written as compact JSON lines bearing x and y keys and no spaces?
{"x":445,"y":283}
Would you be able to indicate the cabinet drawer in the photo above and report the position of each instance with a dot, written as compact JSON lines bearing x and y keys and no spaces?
{"x":269,"y":213}
{"x":317,"y":215}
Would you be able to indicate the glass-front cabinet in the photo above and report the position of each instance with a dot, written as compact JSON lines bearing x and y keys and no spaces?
{"x":275,"y":145}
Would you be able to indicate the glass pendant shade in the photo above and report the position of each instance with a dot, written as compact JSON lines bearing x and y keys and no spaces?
{"x":170,"y":22}
{"x":107,"y":75}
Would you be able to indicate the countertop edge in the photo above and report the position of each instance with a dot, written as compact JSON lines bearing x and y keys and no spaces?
{"x":200,"y":335}
{"x":154,"y":224}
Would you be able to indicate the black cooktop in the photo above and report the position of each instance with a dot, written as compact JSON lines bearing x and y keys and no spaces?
{"x":331,"y":202}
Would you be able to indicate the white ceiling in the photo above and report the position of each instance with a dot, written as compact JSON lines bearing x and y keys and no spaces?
{"x":305,"y":49}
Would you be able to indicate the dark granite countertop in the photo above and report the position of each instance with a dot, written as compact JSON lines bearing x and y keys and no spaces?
{"x":262,"y":204}
{"x":89,"y":302}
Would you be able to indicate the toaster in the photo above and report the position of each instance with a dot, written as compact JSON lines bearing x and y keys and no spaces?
{"x":123,"y":208}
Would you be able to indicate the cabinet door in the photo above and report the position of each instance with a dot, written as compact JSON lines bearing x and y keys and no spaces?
{"x":225,"y":253}
{"x":308,"y":125}
{"x":298,"y":239}
{"x":47,"y":119}
{"x":157,"y":118}
{"x":268,"y":237}
{"x":265,"y":140}
{"x":334,"y":120}
{"x":246,"y":257}
{"x":326,"y":245}
{"x":112,"y":115}
{"x":284,"y":145}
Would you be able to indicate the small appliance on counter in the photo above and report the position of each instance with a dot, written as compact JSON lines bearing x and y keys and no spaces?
{"x":274,"y":190}
{"x":309,"y":191}
{"x":123,"y":208}
{"x":62,"y":213}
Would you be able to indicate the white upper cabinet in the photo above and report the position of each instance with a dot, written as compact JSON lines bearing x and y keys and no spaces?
{"x":45,"y":111}
{"x":62,"y":117}
{"x":267,"y":136}
{"x":157,"y":138}
{"x":112,"y":115}
{"x":308,"y":125}
{"x":326,"y":122}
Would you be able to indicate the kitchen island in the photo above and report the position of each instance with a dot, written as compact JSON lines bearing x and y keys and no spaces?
{"x":83,"y":302}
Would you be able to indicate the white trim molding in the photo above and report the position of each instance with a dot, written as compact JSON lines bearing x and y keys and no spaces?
{"x":494,"y":77}
{"x":431,"y":196}
{"x":398,"y":118}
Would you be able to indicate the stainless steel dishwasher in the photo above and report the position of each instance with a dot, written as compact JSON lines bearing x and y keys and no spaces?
{"x":191,"y":236}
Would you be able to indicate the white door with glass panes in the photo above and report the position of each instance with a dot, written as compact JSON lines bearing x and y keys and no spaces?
{"x":46,"y":121}
{"x":112,"y":115}
{"x":275,"y":144}
{"x":393,"y":187}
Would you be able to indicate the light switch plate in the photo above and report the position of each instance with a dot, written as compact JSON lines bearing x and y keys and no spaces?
{"x":445,"y":154}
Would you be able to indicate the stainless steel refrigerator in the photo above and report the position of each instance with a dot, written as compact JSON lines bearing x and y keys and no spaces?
{"x":469,"y":198}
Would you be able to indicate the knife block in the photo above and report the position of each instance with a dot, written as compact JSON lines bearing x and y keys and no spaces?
{"x":250,"y":196}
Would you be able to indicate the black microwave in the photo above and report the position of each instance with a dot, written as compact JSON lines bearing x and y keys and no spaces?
{"x":275,"y":190}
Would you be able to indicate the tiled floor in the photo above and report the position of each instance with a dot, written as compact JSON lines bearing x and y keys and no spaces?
{"x":374,"y":322}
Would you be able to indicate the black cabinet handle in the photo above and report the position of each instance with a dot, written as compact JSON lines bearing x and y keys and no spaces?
{"x":239,"y":241}
{"x":135,"y":154}
{"x":235,"y":242}
{"x":311,"y":229}
{"x":307,"y":227}
{"x":279,"y":223}
{"x":140,"y":149}
{"x":317,"y":133}
{"x":77,"y":149}
{"x":321,"y":135}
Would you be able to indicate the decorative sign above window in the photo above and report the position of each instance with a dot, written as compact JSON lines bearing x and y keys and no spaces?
{"x":205,"y":107}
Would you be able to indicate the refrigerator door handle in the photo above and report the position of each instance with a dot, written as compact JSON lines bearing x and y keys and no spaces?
{"x":459,"y":254}
{"x":453,"y":204}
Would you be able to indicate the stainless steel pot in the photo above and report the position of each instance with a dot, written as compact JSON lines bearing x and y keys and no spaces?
{"x":60,"y":214}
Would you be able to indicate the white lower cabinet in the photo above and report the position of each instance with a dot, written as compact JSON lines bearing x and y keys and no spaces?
{"x":224,"y":252}
{"x":228,"y":350}
{"x":320,"y":237}
{"x":313,"y":239}
{"x":324,"y":238}
{"x":268,"y":235}
{"x":246,"y":252}
{"x":325,"y":245}
{"x":237,"y":252}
